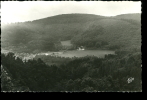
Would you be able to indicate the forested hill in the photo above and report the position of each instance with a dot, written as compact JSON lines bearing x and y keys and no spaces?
{"x":133,"y":16}
{"x":68,"y":19}
{"x":91,"y":31}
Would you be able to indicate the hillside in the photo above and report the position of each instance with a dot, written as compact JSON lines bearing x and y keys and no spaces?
{"x":133,"y":16}
{"x":91,"y":31}
{"x":119,"y":71}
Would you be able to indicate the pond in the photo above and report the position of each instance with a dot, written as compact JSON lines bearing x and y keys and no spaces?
{"x":82,"y":53}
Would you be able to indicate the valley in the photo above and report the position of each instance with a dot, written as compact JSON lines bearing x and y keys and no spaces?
{"x":73,"y":52}
{"x":64,"y":52}
{"x":90,"y":31}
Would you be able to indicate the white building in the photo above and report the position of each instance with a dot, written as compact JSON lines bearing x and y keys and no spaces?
{"x":81,"y":48}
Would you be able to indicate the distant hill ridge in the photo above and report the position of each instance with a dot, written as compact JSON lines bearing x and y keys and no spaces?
{"x":82,"y":29}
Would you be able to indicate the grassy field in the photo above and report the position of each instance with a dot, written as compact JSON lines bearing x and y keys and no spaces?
{"x":66,"y":43}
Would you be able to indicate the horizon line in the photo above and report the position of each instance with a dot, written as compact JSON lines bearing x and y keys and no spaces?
{"x":65,"y":14}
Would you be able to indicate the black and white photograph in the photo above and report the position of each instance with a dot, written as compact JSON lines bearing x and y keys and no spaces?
{"x":71,"y":46}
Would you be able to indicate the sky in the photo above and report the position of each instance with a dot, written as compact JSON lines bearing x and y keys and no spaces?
{"x":18,"y":11}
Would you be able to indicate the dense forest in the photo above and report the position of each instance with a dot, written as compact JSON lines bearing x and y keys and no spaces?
{"x":80,"y":74}
{"x":90,"y":31}
{"x":115,"y":72}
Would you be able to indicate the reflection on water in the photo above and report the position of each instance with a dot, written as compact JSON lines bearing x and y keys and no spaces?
{"x":70,"y":53}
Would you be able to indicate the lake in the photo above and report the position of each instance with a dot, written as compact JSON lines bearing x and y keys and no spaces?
{"x":82,"y":53}
{"x":72,"y":53}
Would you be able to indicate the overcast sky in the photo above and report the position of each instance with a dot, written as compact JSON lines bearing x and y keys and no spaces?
{"x":16,"y":11}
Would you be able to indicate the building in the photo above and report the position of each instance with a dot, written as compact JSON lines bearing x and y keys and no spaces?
{"x":81,"y":48}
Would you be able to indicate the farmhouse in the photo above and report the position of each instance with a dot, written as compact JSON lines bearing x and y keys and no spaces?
{"x":81,"y":48}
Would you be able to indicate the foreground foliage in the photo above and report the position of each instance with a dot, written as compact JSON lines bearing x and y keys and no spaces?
{"x":81,"y":74}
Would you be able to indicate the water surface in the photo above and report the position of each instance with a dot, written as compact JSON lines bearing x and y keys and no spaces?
{"x":82,"y":53}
